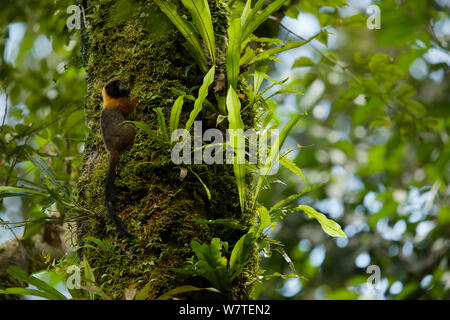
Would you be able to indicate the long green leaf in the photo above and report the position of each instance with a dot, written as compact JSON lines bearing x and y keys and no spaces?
{"x":240,"y":254}
{"x":183,"y":289}
{"x":186,"y":30}
{"x":89,"y":274}
{"x":22,"y":275}
{"x":233,"y":52}
{"x":162,"y":123}
{"x":202,"y":93}
{"x":274,"y":152}
{"x":175,"y":114}
{"x":201,"y":17}
{"x":249,"y":14}
{"x":253,"y":20}
{"x":208,"y":193}
{"x":29,"y":292}
{"x":236,"y":132}
{"x":330,"y":227}
{"x":260,"y":73}
{"x":17,"y":190}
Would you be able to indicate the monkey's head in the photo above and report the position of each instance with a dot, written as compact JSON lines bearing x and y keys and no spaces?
{"x":116,"y":89}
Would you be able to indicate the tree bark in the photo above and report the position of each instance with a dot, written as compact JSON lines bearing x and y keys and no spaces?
{"x":134,"y":41}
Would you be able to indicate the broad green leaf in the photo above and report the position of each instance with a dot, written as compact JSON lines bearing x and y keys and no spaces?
{"x":233,"y":53}
{"x":211,"y":265}
{"x":201,"y":17}
{"x":236,"y":132}
{"x":260,"y":73}
{"x":183,"y":289}
{"x":175,"y":114}
{"x":144,"y":292}
{"x":330,"y":227}
{"x":240,"y":254}
{"x":186,"y":30}
{"x":264,"y":220}
{"x":22,"y":275}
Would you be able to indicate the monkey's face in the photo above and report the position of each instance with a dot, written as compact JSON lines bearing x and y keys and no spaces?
{"x":116,"y":89}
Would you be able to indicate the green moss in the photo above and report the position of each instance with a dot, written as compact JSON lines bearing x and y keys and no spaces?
{"x":141,"y":46}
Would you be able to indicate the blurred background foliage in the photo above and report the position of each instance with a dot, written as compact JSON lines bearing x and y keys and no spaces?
{"x":376,"y":135}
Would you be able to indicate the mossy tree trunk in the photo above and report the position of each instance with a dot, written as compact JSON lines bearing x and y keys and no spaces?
{"x":134,"y":41}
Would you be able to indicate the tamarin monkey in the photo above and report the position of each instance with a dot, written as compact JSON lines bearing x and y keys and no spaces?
{"x":117,"y":137}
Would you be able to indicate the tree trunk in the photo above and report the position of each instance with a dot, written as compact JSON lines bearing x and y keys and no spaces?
{"x":134,"y":41}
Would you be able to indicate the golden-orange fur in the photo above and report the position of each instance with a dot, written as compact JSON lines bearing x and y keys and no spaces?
{"x":122,"y":103}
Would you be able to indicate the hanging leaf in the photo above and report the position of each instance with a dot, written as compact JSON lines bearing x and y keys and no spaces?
{"x":330,"y":227}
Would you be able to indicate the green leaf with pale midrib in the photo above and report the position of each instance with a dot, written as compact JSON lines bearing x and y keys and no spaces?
{"x":236,"y":127}
{"x":186,"y":30}
{"x":201,"y":17}
{"x":330,"y":227}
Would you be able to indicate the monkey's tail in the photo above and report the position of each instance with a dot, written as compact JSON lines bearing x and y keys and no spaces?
{"x":110,"y":196}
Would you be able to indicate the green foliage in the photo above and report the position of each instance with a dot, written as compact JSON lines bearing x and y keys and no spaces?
{"x":236,"y":127}
{"x":329,"y":226}
{"x":175,"y":114}
{"x":43,"y":289}
{"x":202,"y":94}
{"x":386,"y":129}
{"x":201,"y":17}
{"x":189,"y":33}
